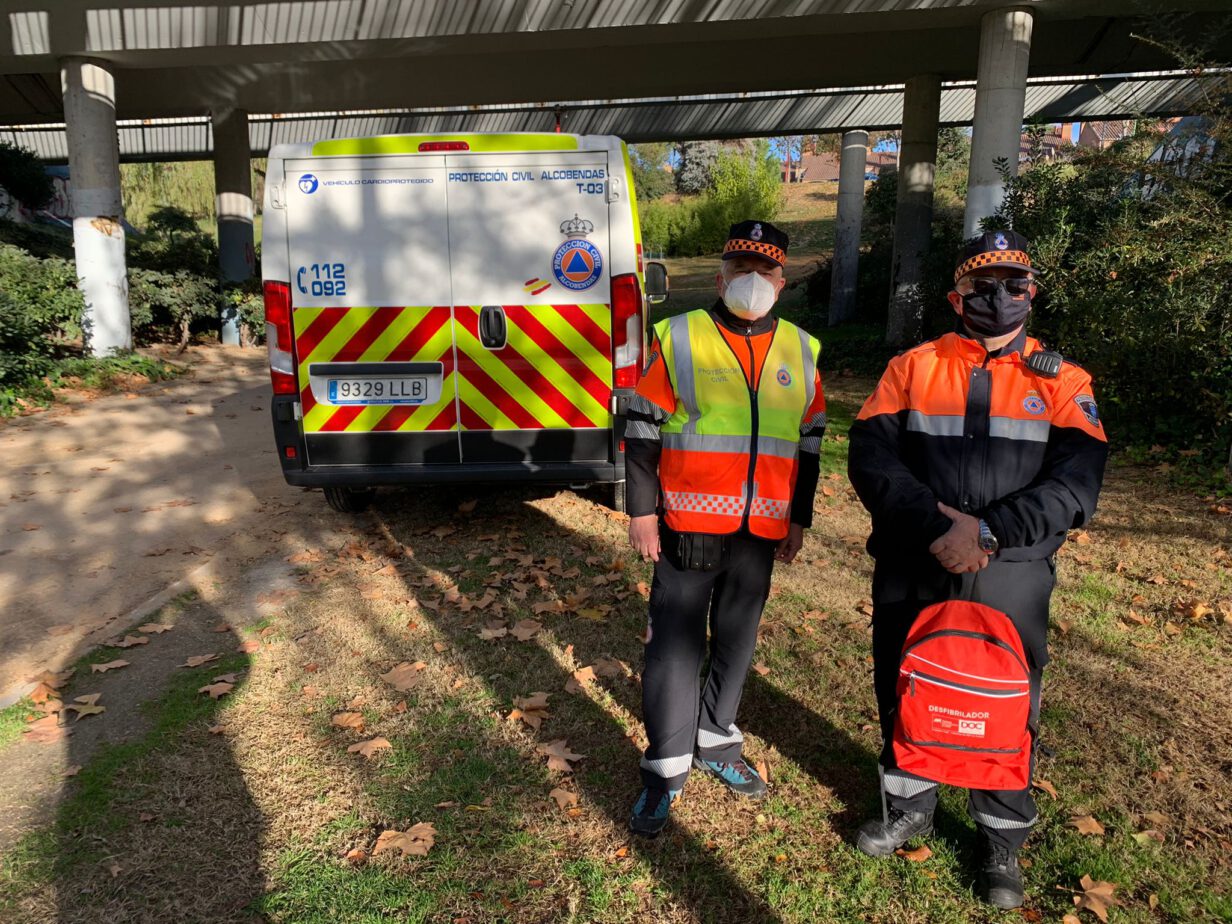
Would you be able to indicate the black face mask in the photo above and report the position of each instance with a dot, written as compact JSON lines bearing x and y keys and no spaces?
{"x":996,"y":314}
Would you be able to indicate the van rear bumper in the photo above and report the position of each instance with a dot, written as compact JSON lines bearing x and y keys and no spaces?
{"x":522,"y":472}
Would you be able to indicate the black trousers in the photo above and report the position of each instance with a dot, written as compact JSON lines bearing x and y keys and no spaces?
{"x":683,"y":717}
{"x":1021,"y":590}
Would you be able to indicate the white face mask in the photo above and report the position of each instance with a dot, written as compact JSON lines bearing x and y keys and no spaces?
{"x":749,"y":296}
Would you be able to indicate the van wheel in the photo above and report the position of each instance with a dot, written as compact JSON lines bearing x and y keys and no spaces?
{"x":349,"y":500}
{"x":616,"y":496}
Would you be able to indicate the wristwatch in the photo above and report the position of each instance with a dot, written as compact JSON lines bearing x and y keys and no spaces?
{"x":988,"y":542}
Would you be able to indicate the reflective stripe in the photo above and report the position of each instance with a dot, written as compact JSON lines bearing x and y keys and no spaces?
{"x":710,"y":442}
{"x":641,"y":430}
{"x":810,"y":370}
{"x":817,"y":420}
{"x":685,"y":501}
{"x":811,"y":444}
{"x":682,"y":371}
{"x":668,"y":767}
{"x":905,"y":785}
{"x":770,"y":509}
{"x":1000,"y":824}
{"x":935,"y":424}
{"x":709,"y":739}
{"x":1012,"y":428}
{"x":643,"y":405}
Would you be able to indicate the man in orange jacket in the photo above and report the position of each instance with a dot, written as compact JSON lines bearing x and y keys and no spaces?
{"x":977,"y":452}
{"x":722,"y":455}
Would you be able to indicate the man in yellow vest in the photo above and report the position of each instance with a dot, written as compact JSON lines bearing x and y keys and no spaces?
{"x":722,"y":456}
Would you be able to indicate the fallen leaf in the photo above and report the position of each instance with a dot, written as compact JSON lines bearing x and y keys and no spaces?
{"x":563,"y":797}
{"x":127,"y":642}
{"x":46,"y":729}
{"x":250,"y":646}
{"x":155,"y":628}
{"x":1150,"y":834}
{"x":1045,"y":786}
{"x":919,"y":855}
{"x":531,"y":709}
{"x":370,"y":747}
{"x":559,"y":755}
{"x":356,"y":856}
{"x":405,"y":676}
{"x":525,"y":630}
{"x":225,"y":678}
{"x":763,"y":770}
{"x":217,"y":729}
{"x":55,"y":681}
{"x":413,"y":843}
{"x":761,"y":668}
{"x":217,"y":690}
{"x":493,"y":631}
{"x":71,"y":771}
{"x":1158,"y":819}
{"x":222,"y":627}
{"x":198,"y":660}
{"x":468,"y":506}
{"x":109,"y":666}
{"x":580,"y":677}
{"x":30,"y":527}
{"x":42,"y":693}
{"x":1096,"y":897}
{"x":1086,"y":824}
{"x":353,"y":720}
{"x":608,"y":667}
{"x":86,"y":705}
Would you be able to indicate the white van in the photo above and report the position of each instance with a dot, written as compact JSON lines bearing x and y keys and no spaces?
{"x":453,"y":308}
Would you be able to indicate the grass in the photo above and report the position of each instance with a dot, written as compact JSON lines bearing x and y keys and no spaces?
{"x":86,"y":376}
{"x":13,"y":719}
{"x":257,"y":823}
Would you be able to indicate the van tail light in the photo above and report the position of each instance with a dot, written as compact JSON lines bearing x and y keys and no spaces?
{"x":627,"y":327}
{"x":278,"y":337}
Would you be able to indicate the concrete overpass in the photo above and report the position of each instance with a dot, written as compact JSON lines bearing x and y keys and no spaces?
{"x":89,"y":62}
{"x":680,"y":118}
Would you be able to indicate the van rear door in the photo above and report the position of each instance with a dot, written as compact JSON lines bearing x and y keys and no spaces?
{"x":368,"y":247}
{"x":529,"y":253}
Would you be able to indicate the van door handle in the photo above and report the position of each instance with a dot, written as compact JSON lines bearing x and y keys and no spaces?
{"x":493,"y":330}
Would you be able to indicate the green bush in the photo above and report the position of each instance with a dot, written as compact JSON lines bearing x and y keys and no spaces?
{"x":168,"y":307}
{"x":44,"y":290}
{"x":1137,"y":265}
{"x":744,"y":184}
{"x":25,"y":350}
{"x":173,"y":242}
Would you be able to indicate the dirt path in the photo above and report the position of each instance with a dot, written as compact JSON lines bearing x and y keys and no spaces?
{"x":107,"y":503}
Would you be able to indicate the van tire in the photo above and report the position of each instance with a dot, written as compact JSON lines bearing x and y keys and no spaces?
{"x":616,"y":496}
{"x":349,"y":500}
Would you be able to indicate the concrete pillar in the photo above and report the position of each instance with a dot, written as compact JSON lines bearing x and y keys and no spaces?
{"x":1000,"y":97}
{"x":846,"y":261}
{"x":233,"y":205}
{"x":913,"y":214}
{"x":94,"y":178}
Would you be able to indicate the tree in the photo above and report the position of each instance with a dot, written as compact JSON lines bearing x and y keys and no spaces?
{"x":651,"y":179}
{"x":23,"y":176}
{"x":697,"y":160}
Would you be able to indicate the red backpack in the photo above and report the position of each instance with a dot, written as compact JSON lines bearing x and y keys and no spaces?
{"x":964,"y":699}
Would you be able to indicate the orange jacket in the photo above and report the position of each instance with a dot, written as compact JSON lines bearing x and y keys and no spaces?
{"x":984,"y":434}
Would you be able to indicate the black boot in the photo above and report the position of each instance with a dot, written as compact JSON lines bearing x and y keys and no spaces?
{"x":879,"y":839}
{"x":1000,"y":879}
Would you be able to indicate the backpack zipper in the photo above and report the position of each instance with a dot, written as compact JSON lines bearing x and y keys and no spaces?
{"x":962,"y":633}
{"x":966,"y":688}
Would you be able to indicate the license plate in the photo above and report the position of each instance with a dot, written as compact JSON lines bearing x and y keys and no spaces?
{"x":405,"y":389}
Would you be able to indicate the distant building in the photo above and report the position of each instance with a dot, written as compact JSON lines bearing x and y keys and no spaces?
{"x":823,"y":168}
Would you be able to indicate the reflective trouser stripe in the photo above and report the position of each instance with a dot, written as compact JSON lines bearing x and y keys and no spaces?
{"x":1000,"y":824}
{"x":905,"y":785}
{"x":668,"y":767}
{"x":708,"y":739}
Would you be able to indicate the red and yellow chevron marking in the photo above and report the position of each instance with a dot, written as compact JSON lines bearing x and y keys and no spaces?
{"x":555,"y":370}
{"x":421,"y":334}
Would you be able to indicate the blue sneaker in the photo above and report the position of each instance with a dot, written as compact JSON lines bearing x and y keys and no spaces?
{"x":737,"y":776}
{"x":650,"y":811}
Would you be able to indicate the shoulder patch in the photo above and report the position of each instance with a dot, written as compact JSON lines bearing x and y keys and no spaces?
{"x":1086,"y":404}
